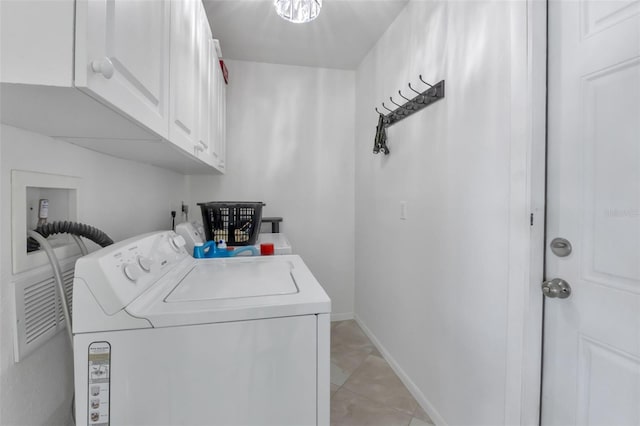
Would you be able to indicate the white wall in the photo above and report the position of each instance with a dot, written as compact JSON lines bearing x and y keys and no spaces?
{"x":433,"y":289}
{"x":120,"y":197}
{"x":290,"y":134}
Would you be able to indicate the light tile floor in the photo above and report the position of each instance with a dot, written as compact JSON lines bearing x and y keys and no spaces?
{"x":364,"y":389}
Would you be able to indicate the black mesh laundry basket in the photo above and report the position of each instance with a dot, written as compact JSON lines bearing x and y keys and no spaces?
{"x":236,"y":222}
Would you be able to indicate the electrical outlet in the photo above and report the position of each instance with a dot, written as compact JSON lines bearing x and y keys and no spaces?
{"x":403,"y":210}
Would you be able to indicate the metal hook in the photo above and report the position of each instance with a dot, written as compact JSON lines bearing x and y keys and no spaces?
{"x":376,"y":108}
{"x":419,"y":99}
{"x":399,"y":106}
{"x":400,"y":93}
{"x":424,"y":81}
{"x":391,"y":99}
{"x":385,"y":107}
{"x":414,"y":89}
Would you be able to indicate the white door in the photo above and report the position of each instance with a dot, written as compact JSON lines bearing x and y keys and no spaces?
{"x":122,"y":57}
{"x":184,"y":100}
{"x":591,"y":360}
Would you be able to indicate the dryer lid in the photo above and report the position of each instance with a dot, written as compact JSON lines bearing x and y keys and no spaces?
{"x":222,"y":279}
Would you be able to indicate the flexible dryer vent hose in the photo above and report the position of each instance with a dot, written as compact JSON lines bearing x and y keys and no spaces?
{"x":76,"y":230}
{"x":73,"y":228}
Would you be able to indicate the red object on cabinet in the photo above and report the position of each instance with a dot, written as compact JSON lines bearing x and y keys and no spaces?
{"x":225,"y":72}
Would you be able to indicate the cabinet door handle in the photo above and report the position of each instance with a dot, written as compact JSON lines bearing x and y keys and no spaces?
{"x":104,"y":67}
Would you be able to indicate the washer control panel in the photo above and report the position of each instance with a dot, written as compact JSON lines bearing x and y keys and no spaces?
{"x":119,"y":273}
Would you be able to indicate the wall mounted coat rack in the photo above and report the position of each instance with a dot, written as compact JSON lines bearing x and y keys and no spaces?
{"x":421,"y":100}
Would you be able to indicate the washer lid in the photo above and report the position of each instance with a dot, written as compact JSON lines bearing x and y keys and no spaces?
{"x":231,"y":280}
{"x":231,"y":289}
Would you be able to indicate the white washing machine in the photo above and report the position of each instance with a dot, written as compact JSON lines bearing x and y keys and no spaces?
{"x":161,"y":338}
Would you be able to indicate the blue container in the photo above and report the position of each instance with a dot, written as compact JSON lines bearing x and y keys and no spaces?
{"x":210,"y":250}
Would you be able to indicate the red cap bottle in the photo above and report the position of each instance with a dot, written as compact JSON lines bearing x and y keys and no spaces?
{"x":266,"y":249}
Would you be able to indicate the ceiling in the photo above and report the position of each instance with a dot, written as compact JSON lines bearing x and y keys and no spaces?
{"x":339,"y":37}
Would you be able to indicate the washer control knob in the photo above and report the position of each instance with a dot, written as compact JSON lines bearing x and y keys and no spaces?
{"x":177,"y":242}
{"x":132,"y":271}
{"x":145,"y":263}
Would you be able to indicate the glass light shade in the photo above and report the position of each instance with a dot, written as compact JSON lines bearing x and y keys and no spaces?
{"x":298,"y":11}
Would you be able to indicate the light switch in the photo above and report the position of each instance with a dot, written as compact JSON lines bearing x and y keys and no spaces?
{"x":403,"y":210}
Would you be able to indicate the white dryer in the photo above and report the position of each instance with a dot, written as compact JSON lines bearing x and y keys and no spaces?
{"x":161,"y":338}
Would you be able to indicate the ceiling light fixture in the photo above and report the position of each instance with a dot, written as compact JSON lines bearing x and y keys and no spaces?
{"x":298,"y":11}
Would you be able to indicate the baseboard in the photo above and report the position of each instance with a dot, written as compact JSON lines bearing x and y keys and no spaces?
{"x":62,"y":415}
{"x":342,"y":316}
{"x":413,"y":389}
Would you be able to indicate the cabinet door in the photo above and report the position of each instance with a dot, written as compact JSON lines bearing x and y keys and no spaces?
{"x":184,"y":100}
{"x":218,"y":113}
{"x":222,"y":120}
{"x":122,"y":57}
{"x":204,"y":90}
{"x":213,"y":104}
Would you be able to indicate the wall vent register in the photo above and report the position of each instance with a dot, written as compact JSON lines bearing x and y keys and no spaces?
{"x":38,"y":310}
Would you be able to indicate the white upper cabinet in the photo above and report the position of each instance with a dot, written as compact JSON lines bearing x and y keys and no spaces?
{"x":122,"y":57}
{"x":130,"y":78}
{"x":184,"y":53}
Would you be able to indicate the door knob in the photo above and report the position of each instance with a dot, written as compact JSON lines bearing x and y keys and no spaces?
{"x":104,"y":67}
{"x":556,"y":288}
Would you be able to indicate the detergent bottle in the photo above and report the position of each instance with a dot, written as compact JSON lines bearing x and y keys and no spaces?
{"x":211,"y":249}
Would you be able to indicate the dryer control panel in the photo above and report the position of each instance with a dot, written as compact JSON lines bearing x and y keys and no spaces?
{"x":118,"y":274}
